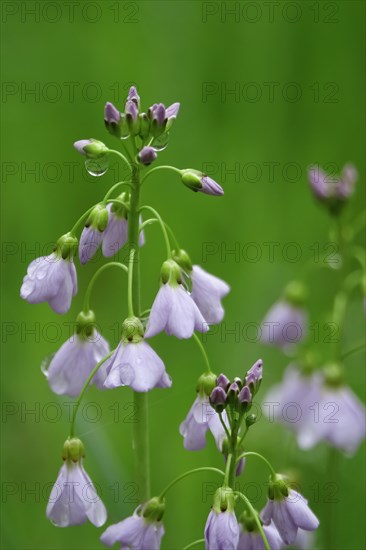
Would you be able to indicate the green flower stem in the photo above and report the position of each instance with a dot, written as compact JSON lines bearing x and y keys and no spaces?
{"x":228,"y":435}
{"x":165,"y":167}
{"x":140,"y":428}
{"x":251,"y":453}
{"x":228,"y":469}
{"x":162,"y":225}
{"x":194,"y":543}
{"x":81,"y":219}
{"x":122,"y":157}
{"x":203,"y":351}
{"x":155,"y":220}
{"x":130,"y":283}
{"x":95,"y":277}
{"x":117,"y":201}
{"x":243,"y":436}
{"x":356,"y":349}
{"x":113,"y":188}
{"x":81,"y":394}
{"x":256,"y":518}
{"x":186,"y":474}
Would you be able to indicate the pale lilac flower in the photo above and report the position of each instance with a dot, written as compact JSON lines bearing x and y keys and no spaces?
{"x":210,"y":186}
{"x":289,"y":514}
{"x":175,"y":312}
{"x":216,"y":428}
{"x":207,"y":292}
{"x":135,"y":532}
{"x":138,"y":366}
{"x":73,"y":363}
{"x":90,"y":240}
{"x":221,"y":531}
{"x":147,"y":155}
{"x":252,"y":540}
{"x":115,"y":234}
{"x":134,"y":96}
{"x":284,"y":324}
{"x":327,"y":187}
{"x":304,"y":540}
{"x":253,"y":377}
{"x":194,"y":427}
{"x":74,"y":499}
{"x":197,"y":181}
{"x":50,"y":279}
{"x":172,"y":111}
{"x":338,"y":417}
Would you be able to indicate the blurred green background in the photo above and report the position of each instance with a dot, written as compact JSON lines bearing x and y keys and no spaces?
{"x":297,"y":70}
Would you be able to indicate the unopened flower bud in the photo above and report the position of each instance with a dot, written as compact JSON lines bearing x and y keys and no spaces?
{"x":112,"y":119}
{"x":253,"y":377}
{"x":147,"y":155}
{"x":245,"y":398}
{"x":223,"y":381}
{"x":232,"y":393}
{"x":91,"y":148}
{"x":134,"y":96}
{"x":206,"y":383}
{"x":218,"y":399}
{"x":295,"y":293}
{"x":144,"y":125}
{"x":250,"y":420}
{"x":197,"y":181}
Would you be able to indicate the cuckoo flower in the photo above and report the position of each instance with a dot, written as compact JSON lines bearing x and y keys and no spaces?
{"x":207,"y":292}
{"x":141,"y":531}
{"x":53,"y":278}
{"x":77,"y":357}
{"x":91,"y":148}
{"x":194,"y":427}
{"x":92,"y":234}
{"x":286,"y":321}
{"x":112,"y":119}
{"x":222,"y":529}
{"x":288,"y":510}
{"x":134,"y":363}
{"x":197,"y":181}
{"x":73,"y":499}
{"x":147,"y":155}
{"x":115,"y":234}
{"x":174,"y":309}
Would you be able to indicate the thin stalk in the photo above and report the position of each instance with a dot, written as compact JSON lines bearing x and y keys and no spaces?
{"x":130,"y":283}
{"x":162,"y":225}
{"x":82,"y":218}
{"x":186,"y":474}
{"x":113,"y":188}
{"x":353,"y":350}
{"x":165,"y":167}
{"x":81,"y":394}
{"x":252,"y":453}
{"x":122,"y":157}
{"x":95,"y":277}
{"x":203,"y":351}
{"x":194,"y":543}
{"x":256,"y":519}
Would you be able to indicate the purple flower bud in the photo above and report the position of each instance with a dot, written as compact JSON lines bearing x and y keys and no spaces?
{"x":134,"y":96}
{"x":218,"y":399}
{"x":91,"y":148}
{"x":79,"y":145}
{"x":233,"y":389}
{"x":253,"y":377}
{"x":158,"y":113}
{"x":210,"y":186}
{"x":147,"y":155}
{"x":245,"y":396}
{"x":223,"y":381}
{"x":172,"y":111}
{"x":111,"y":113}
{"x":131,"y":109}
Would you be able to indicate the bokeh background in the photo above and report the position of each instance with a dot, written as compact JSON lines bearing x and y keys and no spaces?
{"x":265,"y":91}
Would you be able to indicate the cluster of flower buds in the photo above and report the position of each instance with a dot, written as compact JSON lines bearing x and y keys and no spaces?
{"x":238,"y":394}
{"x":333,"y":191}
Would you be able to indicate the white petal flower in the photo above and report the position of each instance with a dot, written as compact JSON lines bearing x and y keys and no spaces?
{"x":135,"y":533}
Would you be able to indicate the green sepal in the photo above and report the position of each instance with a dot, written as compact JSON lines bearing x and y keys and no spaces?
{"x":206,"y":383}
{"x":248,"y":521}
{"x":250,"y":420}
{"x":73,"y":449}
{"x":278,"y":488}
{"x":171,"y":273}
{"x":66,"y":246}
{"x":192,"y":179}
{"x":181,"y":257}
{"x":132,"y":330}
{"x":224,"y":500}
{"x":153,"y":510}
{"x":144,"y":125}
{"x":119,"y":210}
{"x":85,"y":324}
{"x":96,"y":149}
{"x":333,"y":375}
{"x":98,"y":218}
{"x":295,"y":293}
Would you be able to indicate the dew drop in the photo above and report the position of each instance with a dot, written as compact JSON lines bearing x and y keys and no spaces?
{"x":46,"y":363}
{"x":97,"y":167}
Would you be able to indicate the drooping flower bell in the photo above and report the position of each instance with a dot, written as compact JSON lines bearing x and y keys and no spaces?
{"x":207,"y":290}
{"x":134,"y":363}
{"x":53,"y":278}
{"x":197,"y":181}
{"x":77,"y":357}
{"x":73,"y":499}
{"x":115,"y":234}
{"x":173,"y":309}
{"x":194,"y":427}
{"x":250,"y":537}
{"x":222,"y":529}
{"x":141,"y":531}
{"x":92,"y":234}
{"x":285,"y":323}
{"x":288,"y":510}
